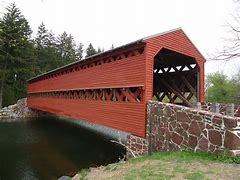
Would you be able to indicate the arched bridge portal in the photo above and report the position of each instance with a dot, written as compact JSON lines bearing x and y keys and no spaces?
{"x":112,"y":88}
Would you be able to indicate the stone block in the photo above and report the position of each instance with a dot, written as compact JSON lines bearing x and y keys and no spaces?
{"x":215,"y":137}
{"x":203,"y":144}
{"x":176,"y":138}
{"x":185,"y":126}
{"x":197,"y":117}
{"x":231,"y":141}
{"x":230,"y":122}
{"x":194,"y":129}
{"x":167,"y":111}
{"x":217,"y":120}
{"x":192,"y":141}
{"x":182,"y":116}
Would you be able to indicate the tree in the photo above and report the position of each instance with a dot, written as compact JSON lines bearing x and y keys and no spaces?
{"x":231,"y":49}
{"x":99,"y":50}
{"x":17,"y":55}
{"x":79,"y":52}
{"x":42,"y":39}
{"x":66,"y":47}
{"x":90,"y":51}
{"x":47,"y":55}
{"x":221,"y":89}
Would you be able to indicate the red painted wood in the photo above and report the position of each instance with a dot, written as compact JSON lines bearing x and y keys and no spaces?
{"x":175,"y":41}
{"x":128,"y":72}
{"x":134,"y":71}
{"x":128,"y":117}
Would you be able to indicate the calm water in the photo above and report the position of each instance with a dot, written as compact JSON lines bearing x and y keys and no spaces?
{"x":50,"y":148}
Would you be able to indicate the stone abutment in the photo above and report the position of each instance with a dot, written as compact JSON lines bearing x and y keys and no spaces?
{"x":173,"y":127}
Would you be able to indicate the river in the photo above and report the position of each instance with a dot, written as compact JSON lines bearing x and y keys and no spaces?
{"x":48,"y":148}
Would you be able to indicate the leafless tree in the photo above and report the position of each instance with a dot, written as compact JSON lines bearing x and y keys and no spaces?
{"x":231,"y":49}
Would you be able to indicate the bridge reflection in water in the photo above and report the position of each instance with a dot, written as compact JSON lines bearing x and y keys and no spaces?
{"x":50,"y":148}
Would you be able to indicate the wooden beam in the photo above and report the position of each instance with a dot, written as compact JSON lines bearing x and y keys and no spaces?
{"x":189,"y":86}
{"x":129,"y":95}
{"x":176,"y":92}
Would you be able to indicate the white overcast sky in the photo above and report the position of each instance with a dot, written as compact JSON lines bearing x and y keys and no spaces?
{"x":106,"y":22}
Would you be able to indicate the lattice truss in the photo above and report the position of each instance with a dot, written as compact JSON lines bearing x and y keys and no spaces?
{"x":175,"y":78}
{"x":132,"y":94}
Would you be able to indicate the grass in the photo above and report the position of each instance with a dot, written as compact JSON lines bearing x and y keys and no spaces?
{"x":184,"y":164}
{"x":189,"y":155}
{"x":195,"y":176}
{"x":83,"y":173}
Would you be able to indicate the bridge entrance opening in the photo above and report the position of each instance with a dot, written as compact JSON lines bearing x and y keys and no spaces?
{"x":176,"y":78}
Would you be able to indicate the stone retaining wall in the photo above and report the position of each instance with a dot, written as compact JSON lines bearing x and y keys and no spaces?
{"x":174,"y":127}
{"x":136,"y":146}
{"x":20,"y":110}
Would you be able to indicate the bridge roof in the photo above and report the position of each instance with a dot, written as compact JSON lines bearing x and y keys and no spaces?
{"x":142,"y":40}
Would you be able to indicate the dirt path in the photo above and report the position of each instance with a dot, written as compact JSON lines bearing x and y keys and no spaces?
{"x":170,"y":169}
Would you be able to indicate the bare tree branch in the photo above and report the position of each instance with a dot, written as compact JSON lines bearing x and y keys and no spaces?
{"x":231,"y":50}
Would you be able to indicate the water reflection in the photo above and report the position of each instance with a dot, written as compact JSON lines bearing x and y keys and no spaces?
{"x":50,"y":148}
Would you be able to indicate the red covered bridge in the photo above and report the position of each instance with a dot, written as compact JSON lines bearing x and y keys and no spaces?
{"x":112,"y":88}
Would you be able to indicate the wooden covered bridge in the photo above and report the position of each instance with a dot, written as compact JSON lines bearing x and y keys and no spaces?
{"x":112,"y":88}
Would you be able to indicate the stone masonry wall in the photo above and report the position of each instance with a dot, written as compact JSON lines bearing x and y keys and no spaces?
{"x":174,"y":127}
{"x":136,"y":146}
{"x":20,"y":110}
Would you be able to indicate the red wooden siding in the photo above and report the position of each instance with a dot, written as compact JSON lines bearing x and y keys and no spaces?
{"x":127,"y":72}
{"x":128,"y":117}
{"x":175,"y":41}
{"x":124,"y":76}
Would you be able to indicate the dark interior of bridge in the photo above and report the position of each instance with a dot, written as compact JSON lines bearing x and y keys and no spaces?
{"x":176,"y":78}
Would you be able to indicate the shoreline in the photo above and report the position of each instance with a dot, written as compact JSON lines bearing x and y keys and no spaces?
{"x":20,"y":110}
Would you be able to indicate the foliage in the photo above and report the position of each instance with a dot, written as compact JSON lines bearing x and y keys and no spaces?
{"x":90,"y":51}
{"x":17,"y":57}
{"x":23,"y":57}
{"x":221,"y":89}
{"x":46,"y":53}
{"x":66,"y":48}
{"x":79,"y":52}
{"x":83,"y":173}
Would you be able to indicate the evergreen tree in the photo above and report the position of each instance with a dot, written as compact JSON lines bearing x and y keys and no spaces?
{"x":66,"y":47}
{"x":16,"y":56}
{"x":99,"y":50}
{"x":47,"y":54}
{"x":90,"y":51}
{"x":42,"y":40}
{"x":79,"y":52}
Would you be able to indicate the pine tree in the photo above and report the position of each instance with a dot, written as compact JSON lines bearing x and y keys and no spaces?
{"x":79,"y":52}
{"x":17,"y":55}
{"x":66,"y":47}
{"x":99,"y":50}
{"x":47,"y":54}
{"x":41,"y":40}
{"x":90,"y":51}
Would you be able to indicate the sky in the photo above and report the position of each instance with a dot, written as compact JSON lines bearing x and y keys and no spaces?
{"x":107,"y":22}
